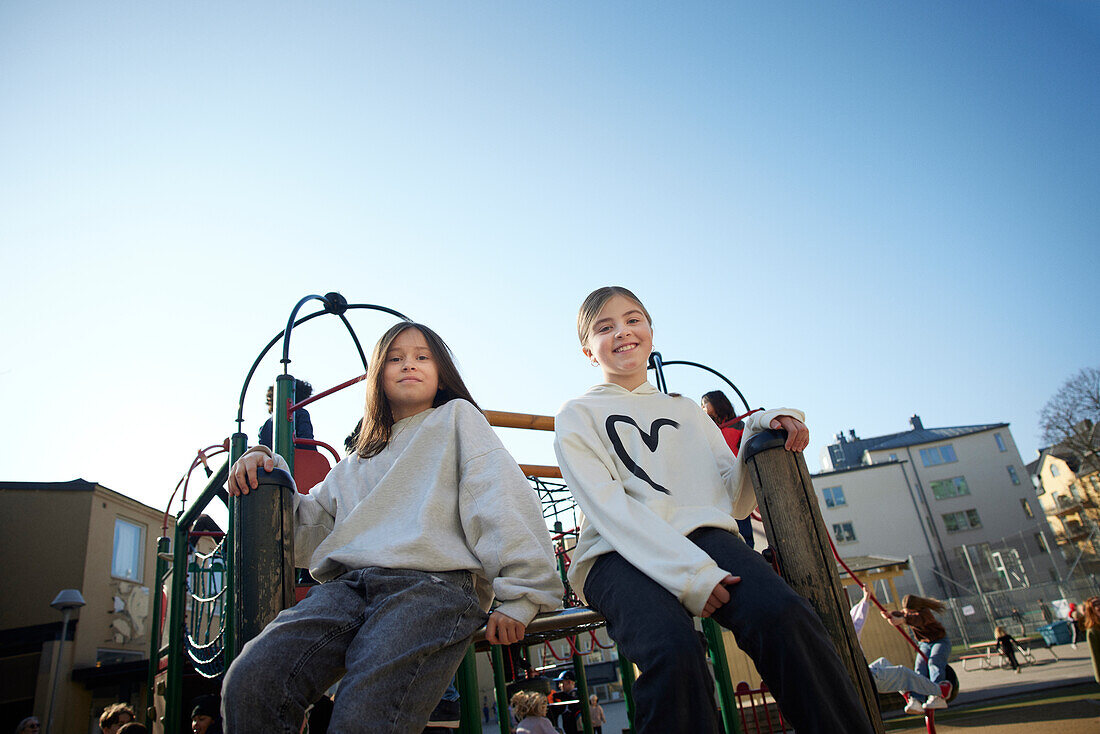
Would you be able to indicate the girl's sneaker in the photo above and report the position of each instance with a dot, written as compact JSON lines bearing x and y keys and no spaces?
{"x":935,"y":702}
{"x":912,"y":706}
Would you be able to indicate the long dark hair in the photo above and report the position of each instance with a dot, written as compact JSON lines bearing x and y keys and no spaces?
{"x":916,"y":603}
{"x":377,"y":425}
{"x":722,"y":406}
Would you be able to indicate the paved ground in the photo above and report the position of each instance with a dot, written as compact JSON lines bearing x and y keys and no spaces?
{"x":1051,"y":695}
{"x":1071,"y":710}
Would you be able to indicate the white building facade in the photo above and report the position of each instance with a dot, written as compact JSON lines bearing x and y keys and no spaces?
{"x":957,"y":500}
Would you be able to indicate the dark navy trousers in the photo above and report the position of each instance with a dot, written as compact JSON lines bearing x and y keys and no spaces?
{"x":776,"y":627}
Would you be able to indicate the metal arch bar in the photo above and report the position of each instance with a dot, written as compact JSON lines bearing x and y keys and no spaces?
{"x":299,"y":322}
{"x":256,"y":364}
{"x":714,"y":372}
{"x":656,"y":363}
{"x":355,"y":339}
{"x":285,"y":361}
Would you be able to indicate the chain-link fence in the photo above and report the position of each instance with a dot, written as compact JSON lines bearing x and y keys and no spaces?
{"x":972,"y":618}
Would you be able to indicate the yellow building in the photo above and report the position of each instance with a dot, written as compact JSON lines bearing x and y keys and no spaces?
{"x":1071,"y":502}
{"x":74,"y":535}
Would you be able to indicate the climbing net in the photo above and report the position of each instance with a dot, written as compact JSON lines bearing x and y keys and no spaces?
{"x":206,"y":591}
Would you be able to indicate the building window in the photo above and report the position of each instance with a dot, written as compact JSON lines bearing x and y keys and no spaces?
{"x":893,"y":457}
{"x":843,"y":532}
{"x":955,"y":521}
{"x":1000,"y":442}
{"x":1012,"y":474}
{"x":1042,"y":543}
{"x":1027,"y":508}
{"x":834,"y":496}
{"x":1054,"y":470}
{"x":954,"y":487}
{"x":938,"y":455}
{"x":127,"y":556}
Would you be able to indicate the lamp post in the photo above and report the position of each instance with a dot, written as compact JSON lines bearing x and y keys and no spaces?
{"x":66,"y":602}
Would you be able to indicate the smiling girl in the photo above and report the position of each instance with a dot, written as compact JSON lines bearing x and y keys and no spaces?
{"x":412,"y":537}
{"x":659,"y":489}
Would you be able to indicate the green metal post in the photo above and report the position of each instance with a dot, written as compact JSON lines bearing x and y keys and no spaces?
{"x":282,"y":439}
{"x":726,"y":698}
{"x":501,"y":685}
{"x":237,"y":446}
{"x":470,"y":717}
{"x":177,"y":604}
{"x":164,"y":544}
{"x":626,"y":670}
{"x":582,"y":688}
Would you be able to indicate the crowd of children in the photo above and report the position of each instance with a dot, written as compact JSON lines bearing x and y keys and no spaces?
{"x":429,"y":530}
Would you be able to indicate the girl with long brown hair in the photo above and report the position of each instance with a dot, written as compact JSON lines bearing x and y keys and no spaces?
{"x":412,"y":537}
{"x":917,"y":612}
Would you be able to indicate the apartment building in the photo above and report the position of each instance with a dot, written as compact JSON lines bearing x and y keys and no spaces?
{"x":958,"y":500}
{"x":74,"y":535}
{"x":1068,"y":491}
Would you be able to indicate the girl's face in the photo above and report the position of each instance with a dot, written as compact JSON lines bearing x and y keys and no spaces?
{"x":709,"y":409}
{"x":410,"y":378}
{"x":620,"y":342}
{"x":544,"y":705}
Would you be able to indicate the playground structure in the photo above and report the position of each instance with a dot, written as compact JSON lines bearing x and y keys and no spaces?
{"x":237,"y":581}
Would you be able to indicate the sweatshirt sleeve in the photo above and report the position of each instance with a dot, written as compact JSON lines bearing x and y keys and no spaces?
{"x":502,"y":520}
{"x":638,"y":534}
{"x":729,"y":466}
{"x":859,"y":615}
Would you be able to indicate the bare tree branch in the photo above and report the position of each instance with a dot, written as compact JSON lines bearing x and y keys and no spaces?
{"x":1071,"y":418}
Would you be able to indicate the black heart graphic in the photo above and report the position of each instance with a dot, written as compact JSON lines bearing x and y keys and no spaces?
{"x":649,"y":439}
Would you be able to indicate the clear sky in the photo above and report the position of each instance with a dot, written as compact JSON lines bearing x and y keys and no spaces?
{"x":865,"y":211}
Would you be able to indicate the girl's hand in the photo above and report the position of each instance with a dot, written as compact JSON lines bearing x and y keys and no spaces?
{"x":719,"y":596}
{"x":895,"y":618}
{"x":798,"y":435}
{"x":242,"y":475}
{"x":503,"y":630}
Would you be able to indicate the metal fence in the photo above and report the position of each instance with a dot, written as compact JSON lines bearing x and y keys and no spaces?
{"x":972,"y":618}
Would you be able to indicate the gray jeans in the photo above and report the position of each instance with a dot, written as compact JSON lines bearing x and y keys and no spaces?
{"x":395,"y":636}
{"x":889,"y":678}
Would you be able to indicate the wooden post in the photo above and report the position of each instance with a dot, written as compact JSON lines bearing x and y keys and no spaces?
{"x":263,"y":554}
{"x":797,"y":534}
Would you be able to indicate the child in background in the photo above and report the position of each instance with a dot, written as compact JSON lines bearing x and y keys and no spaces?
{"x":1007,"y":645}
{"x":599,"y":718}
{"x":889,"y":677}
{"x":659,"y":490}
{"x":530,"y":708}
{"x":718,"y":407}
{"x":412,"y":538}
{"x":931,"y":637}
{"x":1092,"y":633}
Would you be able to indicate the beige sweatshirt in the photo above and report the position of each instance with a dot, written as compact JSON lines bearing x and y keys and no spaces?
{"x":646,"y":469}
{"x":444,"y":495}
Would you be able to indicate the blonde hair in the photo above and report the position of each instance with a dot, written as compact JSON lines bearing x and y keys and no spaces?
{"x":999,"y":632}
{"x":377,"y":425}
{"x":916,"y":603}
{"x":527,"y":703}
{"x":595,"y":302}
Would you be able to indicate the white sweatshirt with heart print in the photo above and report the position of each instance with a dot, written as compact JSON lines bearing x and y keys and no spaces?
{"x":646,"y":469}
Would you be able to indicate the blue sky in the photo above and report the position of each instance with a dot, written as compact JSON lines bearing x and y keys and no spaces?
{"x":864,"y":212}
